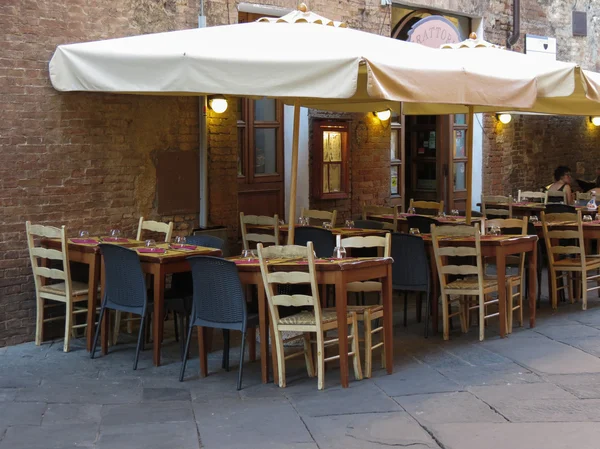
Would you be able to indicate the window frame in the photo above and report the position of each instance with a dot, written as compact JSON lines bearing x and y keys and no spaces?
{"x":318,"y":127}
{"x":457,"y":160}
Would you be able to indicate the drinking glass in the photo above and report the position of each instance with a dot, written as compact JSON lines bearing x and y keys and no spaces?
{"x":180,"y":239}
{"x":495,"y":230}
{"x":84,"y":234}
{"x":454,"y":212}
{"x":441,"y":214}
{"x":339,"y":252}
{"x":412,"y":210}
{"x":303,"y":221}
{"x":150,"y":243}
{"x":281,"y":222}
{"x":533,"y":219}
{"x":349,"y":224}
{"x":587,"y":218}
{"x":414,"y":231}
{"x":597,"y":217}
{"x":115,"y":233}
{"x":327,"y":225}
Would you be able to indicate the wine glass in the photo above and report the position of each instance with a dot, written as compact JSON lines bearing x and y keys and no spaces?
{"x":587,"y":218}
{"x":441,"y":214}
{"x":248,"y":254}
{"x":150,"y":243}
{"x":414,"y":231}
{"x":115,"y":233}
{"x":533,"y":219}
{"x":281,"y":223}
{"x":454,"y":212}
{"x":327,"y":225}
{"x":180,"y":240}
{"x":349,"y":224}
{"x":597,"y":217}
{"x":84,"y":234}
{"x":339,"y":252}
{"x":412,"y":210}
{"x":495,"y":230}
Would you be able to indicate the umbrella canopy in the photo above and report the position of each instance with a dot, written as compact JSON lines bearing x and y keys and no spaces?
{"x":327,"y":67}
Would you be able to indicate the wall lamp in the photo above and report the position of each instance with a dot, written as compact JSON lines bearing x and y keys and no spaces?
{"x":595,"y":120}
{"x":504,"y":118}
{"x":383,"y":115}
{"x":217,"y":103}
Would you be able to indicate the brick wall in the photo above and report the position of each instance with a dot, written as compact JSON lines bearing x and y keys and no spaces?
{"x":82,"y":160}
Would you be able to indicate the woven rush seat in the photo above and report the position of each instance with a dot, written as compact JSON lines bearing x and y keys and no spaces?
{"x":360,"y":310}
{"x":78,"y":288}
{"x":468,"y":284}
{"x":576,"y":261}
{"x":365,"y":286}
{"x":306,"y":318}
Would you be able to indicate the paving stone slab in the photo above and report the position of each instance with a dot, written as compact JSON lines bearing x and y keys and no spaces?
{"x":72,"y":414}
{"x":146,"y":413}
{"x":84,"y":391}
{"x":500,"y":394}
{"x":165,"y":394}
{"x":548,"y":356}
{"x":490,"y":375}
{"x":179,"y":435}
{"x":584,"y":386}
{"x":415,"y":380}
{"x":251,"y":423}
{"x":551,"y":410}
{"x":22,"y":413}
{"x":569,"y":331}
{"x":7,"y":394}
{"x":360,"y":397}
{"x":517,"y":435}
{"x":50,"y":437}
{"x":448,"y":408}
{"x":369,"y":431}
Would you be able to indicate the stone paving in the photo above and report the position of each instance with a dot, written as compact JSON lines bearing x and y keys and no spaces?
{"x":539,"y":388}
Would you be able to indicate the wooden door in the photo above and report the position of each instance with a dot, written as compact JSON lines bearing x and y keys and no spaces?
{"x":458,"y":162}
{"x":422,"y":149}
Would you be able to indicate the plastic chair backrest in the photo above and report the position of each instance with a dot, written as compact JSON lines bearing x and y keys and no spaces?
{"x":124,"y":280}
{"x":323,"y":239}
{"x":410,"y":267}
{"x":421,"y":222}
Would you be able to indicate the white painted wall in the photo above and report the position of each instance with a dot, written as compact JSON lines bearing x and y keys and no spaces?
{"x":302,"y":185}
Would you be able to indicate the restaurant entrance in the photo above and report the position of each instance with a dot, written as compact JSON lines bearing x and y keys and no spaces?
{"x":436,"y":162}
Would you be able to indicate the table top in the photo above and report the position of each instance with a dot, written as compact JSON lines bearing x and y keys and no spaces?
{"x":344,"y":232}
{"x":325,"y":264}
{"x":532,"y":205}
{"x":490,"y":240}
{"x":165,"y":252}
{"x":458,"y":219}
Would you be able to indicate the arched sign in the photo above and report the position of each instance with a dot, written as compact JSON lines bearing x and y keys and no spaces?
{"x":434,"y":31}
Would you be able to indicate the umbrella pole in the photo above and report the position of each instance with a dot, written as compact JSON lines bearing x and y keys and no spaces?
{"x":294,"y":180}
{"x":470,"y":121}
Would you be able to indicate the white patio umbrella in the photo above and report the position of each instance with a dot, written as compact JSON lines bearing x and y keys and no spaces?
{"x":303,"y":59}
{"x":574,"y":91}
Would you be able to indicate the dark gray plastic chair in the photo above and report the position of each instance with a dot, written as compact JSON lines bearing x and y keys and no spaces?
{"x":368,"y":224}
{"x":323,"y":239}
{"x":410,"y":271}
{"x":421,"y":222}
{"x":178,"y":298}
{"x":124,"y":289}
{"x":554,"y":208}
{"x":218,"y":302}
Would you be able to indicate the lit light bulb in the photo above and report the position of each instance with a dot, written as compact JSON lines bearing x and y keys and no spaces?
{"x":218,"y":104}
{"x":595,"y":120}
{"x":384,"y":115}
{"x":504,"y":118}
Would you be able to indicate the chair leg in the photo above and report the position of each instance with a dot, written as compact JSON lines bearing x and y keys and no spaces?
{"x":185,"y":352}
{"x":281,"y":357}
{"x":553,"y":293}
{"x":179,"y":318}
{"x":510,"y":306}
{"x":445,"y":316}
{"x":39,"y":322}
{"x":427,"y":311}
{"x":130,"y":323}
{"x":482,"y":317}
{"x":308,"y":355}
{"x":368,"y":328}
{"x":584,"y":292}
{"x":68,"y":324}
{"x":405,"y":308}
{"x":176,"y":328}
{"x":117,"y":327}
{"x":358,"y":375}
{"x":320,"y":360}
{"x":241,"y":368}
{"x":98,"y":327}
{"x":140,"y":339}
{"x":225,"y":362}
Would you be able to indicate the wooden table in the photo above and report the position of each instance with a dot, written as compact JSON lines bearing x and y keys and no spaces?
{"x":402,"y":222}
{"x":526,"y":208}
{"x":156,"y":264}
{"x":498,"y":247}
{"x":338,"y":273}
{"x":343,"y":232}
{"x":88,"y":254}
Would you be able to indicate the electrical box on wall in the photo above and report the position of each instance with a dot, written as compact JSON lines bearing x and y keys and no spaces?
{"x":542,"y":47}
{"x":579,"y":23}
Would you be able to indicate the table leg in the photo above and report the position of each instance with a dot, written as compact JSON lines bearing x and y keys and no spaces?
{"x":341,"y":307}
{"x":263,"y":332}
{"x":532,"y":275}
{"x":501,"y":275}
{"x":105,"y":325}
{"x":388,"y":331}
{"x":94,"y":277}
{"x":157,"y":324}
{"x":202,"y":351}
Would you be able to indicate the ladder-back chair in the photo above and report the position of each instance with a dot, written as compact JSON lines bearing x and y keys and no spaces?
{"x":382,"y":210}
{"x":427,"y":207}
{"x":259,"y":220}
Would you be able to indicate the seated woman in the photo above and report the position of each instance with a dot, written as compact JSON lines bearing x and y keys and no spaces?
{"x":562,"y":181}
